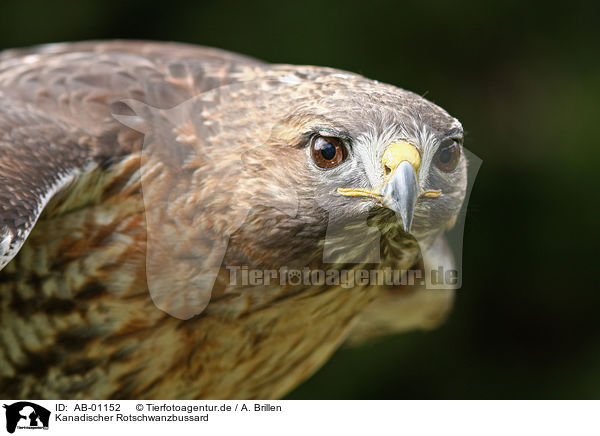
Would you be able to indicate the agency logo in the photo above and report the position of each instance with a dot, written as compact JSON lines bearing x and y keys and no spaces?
{"x":24,"y":415}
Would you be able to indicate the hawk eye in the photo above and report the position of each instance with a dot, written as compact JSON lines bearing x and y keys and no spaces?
{"x":448,"y":155}
{"x":327,"y":152}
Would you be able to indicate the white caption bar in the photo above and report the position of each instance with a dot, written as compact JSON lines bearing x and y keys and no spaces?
{"x":23,"y":417}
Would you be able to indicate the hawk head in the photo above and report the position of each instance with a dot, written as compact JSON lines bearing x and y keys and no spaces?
{"x":269,"y":169}
{"x":351,"y":147}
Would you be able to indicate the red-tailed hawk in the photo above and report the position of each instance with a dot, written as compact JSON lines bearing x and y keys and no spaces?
{"x":153,"y":196}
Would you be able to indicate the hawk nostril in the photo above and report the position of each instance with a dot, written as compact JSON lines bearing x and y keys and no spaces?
{"x":387,"y":170}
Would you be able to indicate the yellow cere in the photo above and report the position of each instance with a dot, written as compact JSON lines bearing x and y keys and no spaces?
{"x":399,"y":152}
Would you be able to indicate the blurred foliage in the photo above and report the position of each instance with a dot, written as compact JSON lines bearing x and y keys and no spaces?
{"x":524,"y":79}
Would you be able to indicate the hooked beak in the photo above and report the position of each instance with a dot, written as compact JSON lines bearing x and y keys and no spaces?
{"x":401,"y":160}
{"x":400,"y":192}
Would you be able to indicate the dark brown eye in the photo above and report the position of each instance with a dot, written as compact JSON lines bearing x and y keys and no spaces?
{"x":448,"y":155}
{"x":327,"y":152}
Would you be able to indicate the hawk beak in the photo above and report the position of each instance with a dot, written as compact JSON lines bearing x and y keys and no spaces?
{"x":401,"y":161}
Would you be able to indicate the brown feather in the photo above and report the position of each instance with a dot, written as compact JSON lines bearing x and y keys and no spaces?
{"x":137,"y":158}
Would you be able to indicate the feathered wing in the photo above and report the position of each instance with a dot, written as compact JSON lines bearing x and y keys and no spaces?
{"x":56,"y":107}
{"x":60,"y":142}
{"x":39,"y":156}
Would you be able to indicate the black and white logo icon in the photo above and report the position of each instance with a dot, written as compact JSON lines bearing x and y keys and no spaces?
{"x":26,"y":416}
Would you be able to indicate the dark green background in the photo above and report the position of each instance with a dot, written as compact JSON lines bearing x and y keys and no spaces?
{"x":525,"y":82}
